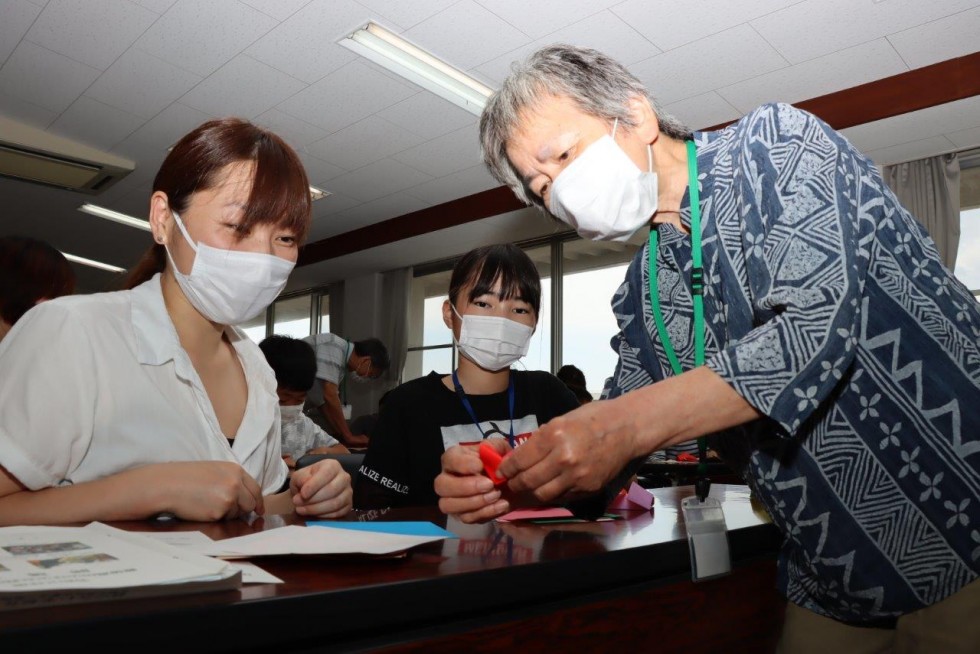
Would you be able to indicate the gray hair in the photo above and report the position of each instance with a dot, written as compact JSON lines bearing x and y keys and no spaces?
{"x":599,"y":85}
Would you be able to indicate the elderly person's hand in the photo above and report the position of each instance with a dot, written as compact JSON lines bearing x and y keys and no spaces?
{"x":575,"y":454}
{"x":464,"y":491}
{"x":322,"y":489}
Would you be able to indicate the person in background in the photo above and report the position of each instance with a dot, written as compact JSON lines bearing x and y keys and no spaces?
{"x":492,"y":311}
{"x":339,"y":361}
{"x":294,"y":364}
{"x":366,"y":424}
{"x":785,"y":304}
{"x":142,"y":402}
{"x":574,"y":378}
{"x":31,"y":271}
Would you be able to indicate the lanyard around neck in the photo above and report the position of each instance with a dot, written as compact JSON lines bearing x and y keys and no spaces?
{"x":697,"y":286}
{"x":469,"y":407}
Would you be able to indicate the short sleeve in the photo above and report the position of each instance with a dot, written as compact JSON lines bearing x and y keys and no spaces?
{"x":49,"y":388}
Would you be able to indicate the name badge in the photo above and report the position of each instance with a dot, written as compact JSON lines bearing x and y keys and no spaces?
{"x":707,"y":538}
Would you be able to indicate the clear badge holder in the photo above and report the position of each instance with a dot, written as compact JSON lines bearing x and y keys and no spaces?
{"x":707,"y":538}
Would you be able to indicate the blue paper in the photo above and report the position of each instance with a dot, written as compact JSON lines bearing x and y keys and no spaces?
{"x":406,"y":528}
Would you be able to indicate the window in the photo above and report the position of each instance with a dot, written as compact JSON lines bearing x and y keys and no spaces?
{"x":255,"y":328}
{"x":292,"y":316}
{"x":324,"y":312}
{"x":591,"y":273}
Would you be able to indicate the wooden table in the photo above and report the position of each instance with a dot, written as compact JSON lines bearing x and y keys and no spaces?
{"x":498,"y":587}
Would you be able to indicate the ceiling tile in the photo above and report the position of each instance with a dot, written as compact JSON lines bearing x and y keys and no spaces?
{"x":603,"y":31}
{"x":965,"y":138}
{"x":294,"y":131}
{"x":319,"y":171}
{"x":946,"y":38}
{"x":149,"y":144}
{"x":44,"y":78}
{"x":364,"y":142}
{"x":378,"y":180}
{"x":458,"y":185}
{"x":26,"y":112}
{"x":398,"y":13}
{"x":135,"y":203}
{"x":703,"y":111}
{"x":18,"y":15}
{"x":458,"y":35}
{"x":817,"y":27}
{"x":96,"y":124}
{"x":391,"y":206}
{"x":157,"y":6}
{"x":305,"y":45}
{"x":916,"y":126}
{"x":201,"y":36}
{"x":733,"y":55}
{"x":242,"y":87}
{"x":130,"y":71}
{"x":78,"y":29}
{"x":427,"y":115}
{"x":536,"y":19}
{"x":446,"y":154}
{"x":910,"y":151}
{"x":817,"y":77}
{"x":346,"y":95}
{"x":332,"y":204}
{"x":673,"y":23}
{"x":278,"y":9}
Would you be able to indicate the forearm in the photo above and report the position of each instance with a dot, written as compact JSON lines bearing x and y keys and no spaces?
{"x":330,"y":449}
{"x":124,"y":496}
{"x":681,"y":408}
{"x":334,"y":414}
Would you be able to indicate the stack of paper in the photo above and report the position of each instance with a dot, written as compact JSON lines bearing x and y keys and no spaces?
{"x":60,"y":565}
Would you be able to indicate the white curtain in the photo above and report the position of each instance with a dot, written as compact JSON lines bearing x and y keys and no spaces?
{"x":930,"y":189}
{"x":395,"y":290}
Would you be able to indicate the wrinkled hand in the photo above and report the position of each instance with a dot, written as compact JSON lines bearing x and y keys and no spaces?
{"x":205,"y":491}
{"x":573,"y":455}
{"x":322,"y":490}
{"x":464,"y":491}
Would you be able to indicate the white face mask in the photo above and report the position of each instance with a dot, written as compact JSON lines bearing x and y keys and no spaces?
{"x":603,"y":195}
{"x":228,"y":286}
{"x":291,"y":412}
{"x":492,"y":342}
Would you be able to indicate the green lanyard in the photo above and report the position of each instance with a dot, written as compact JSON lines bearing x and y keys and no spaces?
{"x":697,"y":288}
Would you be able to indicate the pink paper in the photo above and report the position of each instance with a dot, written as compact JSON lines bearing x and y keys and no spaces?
{"x":636,"y":499}
{"x":535,"y":514}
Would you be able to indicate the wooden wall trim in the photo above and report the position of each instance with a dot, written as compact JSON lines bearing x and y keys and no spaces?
{"x":947,"y":81}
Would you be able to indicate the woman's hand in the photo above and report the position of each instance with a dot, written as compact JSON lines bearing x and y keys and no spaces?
{"x":322,"y":490}
{"x":463,"y":489}
{"x":204,"y":491}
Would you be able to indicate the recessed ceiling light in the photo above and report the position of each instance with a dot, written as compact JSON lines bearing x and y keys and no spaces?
{"x":93,"y":263}
{"x":114,"y":216}
{"x":389,"y":50}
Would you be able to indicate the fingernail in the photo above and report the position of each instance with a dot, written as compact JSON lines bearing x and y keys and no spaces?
{"x":492,"y":496}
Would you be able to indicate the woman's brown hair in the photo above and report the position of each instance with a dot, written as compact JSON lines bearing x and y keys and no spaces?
{"x":280,"y":190}
{"x":30,"y":270}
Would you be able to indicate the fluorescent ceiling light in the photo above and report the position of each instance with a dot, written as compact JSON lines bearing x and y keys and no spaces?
{"x":418,"y":66}
{"x":93,"y":263}
{"x":114,"y":216}
{"x":318,"y":193}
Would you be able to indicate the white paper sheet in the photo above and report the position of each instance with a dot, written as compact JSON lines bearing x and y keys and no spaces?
{"x":314,"y":540}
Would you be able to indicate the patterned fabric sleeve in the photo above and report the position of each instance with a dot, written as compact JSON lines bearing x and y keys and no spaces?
{"x":804,"y":229}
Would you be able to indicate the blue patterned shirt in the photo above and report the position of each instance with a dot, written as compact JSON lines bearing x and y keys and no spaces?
{"x":827,"y":309}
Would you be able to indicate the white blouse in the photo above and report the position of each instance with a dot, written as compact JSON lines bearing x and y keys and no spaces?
{"x":93,"y":385}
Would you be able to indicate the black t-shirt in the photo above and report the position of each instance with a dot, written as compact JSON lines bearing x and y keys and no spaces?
{"x":422,"y":418}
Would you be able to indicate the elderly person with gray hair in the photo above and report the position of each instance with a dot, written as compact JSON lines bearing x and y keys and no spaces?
{"x":788,"y":308}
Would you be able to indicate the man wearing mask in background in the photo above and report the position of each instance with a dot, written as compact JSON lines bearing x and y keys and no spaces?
{"x":338,"y":362}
